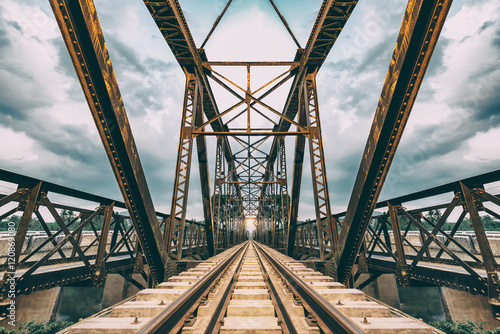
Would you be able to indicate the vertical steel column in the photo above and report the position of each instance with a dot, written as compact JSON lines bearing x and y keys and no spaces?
{"x":174,"y":230}
{"x":223,"y":218}
{"x":327,"y":233}
{"x":273,"y":210}
{"x":486,"y":253}
{"x":28,"y":208}
{"x":310,"y":233}
{"x":298,"y":163}
{"x":201,"y":144}
{"x":218,"y":181}
{"x":190,"y":240}
{"x":402,"y":268}
{"x":285,"y":201}
{"x":99,"y":274}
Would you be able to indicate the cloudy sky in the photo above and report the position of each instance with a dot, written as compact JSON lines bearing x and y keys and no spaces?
{"x":46,"y":130}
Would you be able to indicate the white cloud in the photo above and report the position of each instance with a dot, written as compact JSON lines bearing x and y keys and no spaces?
{"x":471,"y":63}
{"x":484,"y":147}
{"x":470,"y":19}
{"x":16,"y":147}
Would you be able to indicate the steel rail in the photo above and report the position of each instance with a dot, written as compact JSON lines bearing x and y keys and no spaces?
{"x":327,"y":315}
{"x":169,"y":319}
{"x":279,"y":306}
{"x":218,"y":314}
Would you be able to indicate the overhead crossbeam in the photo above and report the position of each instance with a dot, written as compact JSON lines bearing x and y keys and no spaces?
{"x":417,"y":39}
{"x":84,"y":40}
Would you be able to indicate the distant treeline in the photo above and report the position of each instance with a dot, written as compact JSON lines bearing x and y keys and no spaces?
{"x":489,"y":222}
{"x":35,"y":225}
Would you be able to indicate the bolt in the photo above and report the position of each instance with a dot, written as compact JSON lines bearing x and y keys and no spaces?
{"x":136,"y":321}
{"x":365,"y":321}
{"x":162,"y":303}
{"x":339,"y":303}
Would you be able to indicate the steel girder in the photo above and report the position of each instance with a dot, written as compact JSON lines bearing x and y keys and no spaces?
{"x":84,"y":40}
{"x":285,"y":198}
{"x":488,"y":258}
{"x":78,"y":240}
{"x":402,"y":270}
{"x":298,"y":162}
{"x":417,"y":39}
{"x":218,"y":183}
{"x":274,"y":204}
{"x":329,"y":23}
{"x":454,"y":259}
{"x":227,"y":212}
{"x":327,"y":229}
{"x":201,"y":145}
{"x":62,"y":264}
{"x":172,"y":24}
{"x":174,"y":229}
{"x":28,"y":208}
{"x":462,"y":260}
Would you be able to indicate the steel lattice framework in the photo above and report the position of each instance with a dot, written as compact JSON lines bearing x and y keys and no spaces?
{"x":251,"y":183}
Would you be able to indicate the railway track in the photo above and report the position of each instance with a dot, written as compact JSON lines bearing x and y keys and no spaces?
{"x":250,"y":288}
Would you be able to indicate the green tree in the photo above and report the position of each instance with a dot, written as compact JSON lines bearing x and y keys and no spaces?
{"x":67,"y":215}
{"x":434,"y":216}
{"x":49,"y":327}
{"x":455,"y":327}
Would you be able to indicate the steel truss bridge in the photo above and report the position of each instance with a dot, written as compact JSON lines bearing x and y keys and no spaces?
{"x":251,"y":180}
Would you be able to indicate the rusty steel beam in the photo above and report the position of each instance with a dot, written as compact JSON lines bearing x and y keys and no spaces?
{"x":216,"y":23}
{"x":420,"y":30}
{"x":172,"y":24}
{"x":84,"y":40}
{"x":99,"y":274}
{"x":285,"y":199}
{"x":250,"y":63}
{"x":42,"y":274}
{"x":331,"y":19}
{"x":298,"y":163}
{"x":201,"y":145}
{"x":487,"y":255}
{"x":329,"y":23}
{"x":28,"y":208}
{"x":174,"y":229}
{"x":327,"y":227}
{"x":402,"y":269}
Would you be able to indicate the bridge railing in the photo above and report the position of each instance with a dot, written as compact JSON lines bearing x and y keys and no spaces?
{"x":442,"y":244}
{"x":46,"y":244}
